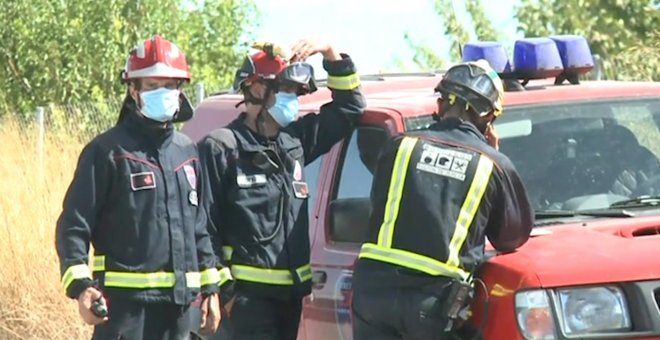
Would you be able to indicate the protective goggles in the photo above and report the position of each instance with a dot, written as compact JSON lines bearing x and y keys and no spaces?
{"x":299,"y":75}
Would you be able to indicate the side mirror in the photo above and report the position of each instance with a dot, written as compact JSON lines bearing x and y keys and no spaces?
{"x":349,"y":220}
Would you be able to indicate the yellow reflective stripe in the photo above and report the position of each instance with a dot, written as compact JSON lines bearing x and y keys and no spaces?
{"x":399,"y":171}
{"x":139,"y":280}
{"x":227,"y":251}
{"x":348,"y":82}
{"x":469,"y":208}
{"x":99,"y":263}
{"x":225,"y":275}
{"x":270,"y":276}
{"x":76,"y":272}
{"x":410,"y":260}
{"x":193,"y":280}
{"x":149,"y":280}
{"x":304,"y":273}
{"x":262,"y":275}
{"x":209,"y":277}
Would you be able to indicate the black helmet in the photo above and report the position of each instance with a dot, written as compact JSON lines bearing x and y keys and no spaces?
{"x":299,"y":75}
{"x":476,"y":83}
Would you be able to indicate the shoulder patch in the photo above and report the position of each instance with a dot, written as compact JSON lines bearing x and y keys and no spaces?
{"x":225,"y":137}
{"x":181,"y":139}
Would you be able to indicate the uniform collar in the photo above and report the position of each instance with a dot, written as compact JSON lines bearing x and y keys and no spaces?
{"x":251,"y":141}
{"x":151,"y":132}
{"x":445,"y":124}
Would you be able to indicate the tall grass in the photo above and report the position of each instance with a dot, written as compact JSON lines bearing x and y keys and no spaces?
{"x":32,"y":302}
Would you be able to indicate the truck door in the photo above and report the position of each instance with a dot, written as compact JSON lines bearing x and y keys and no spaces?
{"x":343,"y":217}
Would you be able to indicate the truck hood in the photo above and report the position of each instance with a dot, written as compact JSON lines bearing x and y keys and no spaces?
{"x":590,"y":252}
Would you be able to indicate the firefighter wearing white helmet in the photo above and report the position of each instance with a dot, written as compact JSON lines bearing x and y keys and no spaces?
{"x":438,"y":193}
{"x":134,"y":198}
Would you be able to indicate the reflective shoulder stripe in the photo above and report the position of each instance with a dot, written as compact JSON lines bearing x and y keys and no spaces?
{"x":225,"y":275}
{"x":227,"y":252}
{"x":347,"y":83}
{"x":209,"y":277}
{"x":469,"y":208}
{"x":410,"y":260}
{"x":99,"y":263}
{"x":399,"y":172}
{"x":76,"y":272}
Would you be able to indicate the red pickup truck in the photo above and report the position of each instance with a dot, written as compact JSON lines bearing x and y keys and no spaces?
{"x":588,"y":154}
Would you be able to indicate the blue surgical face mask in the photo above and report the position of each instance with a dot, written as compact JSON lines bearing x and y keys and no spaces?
{"x":285,"y":109}
{"x":160,"y":104}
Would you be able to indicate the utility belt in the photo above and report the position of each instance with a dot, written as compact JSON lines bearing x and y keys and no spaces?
{"x":449,"y":297}
{"x":448,"y":303}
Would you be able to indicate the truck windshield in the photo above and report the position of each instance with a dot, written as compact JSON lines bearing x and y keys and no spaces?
{"x":582,"y":155}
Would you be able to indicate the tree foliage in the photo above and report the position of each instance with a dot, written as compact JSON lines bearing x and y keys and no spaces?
{"x":625,"y":33}
{"x":62,"y":51}
{"x":456,"y":31}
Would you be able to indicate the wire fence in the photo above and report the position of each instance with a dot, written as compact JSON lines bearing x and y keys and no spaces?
{"x":80,"y":121}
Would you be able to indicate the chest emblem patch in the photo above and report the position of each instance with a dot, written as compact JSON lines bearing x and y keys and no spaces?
{"x":143,"y":180}
{"x":190,"y":175}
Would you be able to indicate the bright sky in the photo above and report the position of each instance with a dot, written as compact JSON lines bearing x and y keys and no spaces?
{"x":371,"y":31}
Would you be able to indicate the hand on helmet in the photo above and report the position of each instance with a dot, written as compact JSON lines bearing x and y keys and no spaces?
{"x":276,"y":49}
{"x":305,"y":48}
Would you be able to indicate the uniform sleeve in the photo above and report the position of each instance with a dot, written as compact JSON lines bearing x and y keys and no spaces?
{"x":336,"y":119}
{"x":205,"y":254}
{"x":513,"y":218}
{"x":83,"y":201}
{"x":214,"y":167}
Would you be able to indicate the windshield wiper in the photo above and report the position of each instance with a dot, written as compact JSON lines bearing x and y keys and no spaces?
{"x":541,"y":214}
{"x":641,"y":201}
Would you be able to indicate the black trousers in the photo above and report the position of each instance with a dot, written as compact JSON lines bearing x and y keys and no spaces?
{"x":255,"y":317}
{"x":128,"y":320}
{"x":393,"y":313}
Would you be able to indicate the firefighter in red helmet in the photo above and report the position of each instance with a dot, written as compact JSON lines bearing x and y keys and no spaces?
{"x":257,"y":193}
{"x":134,"y":198}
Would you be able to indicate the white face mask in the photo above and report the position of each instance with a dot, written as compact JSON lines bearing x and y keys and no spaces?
{"x":160,"y":104}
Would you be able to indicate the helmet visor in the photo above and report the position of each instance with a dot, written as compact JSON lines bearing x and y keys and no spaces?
{"x":300,"y":73}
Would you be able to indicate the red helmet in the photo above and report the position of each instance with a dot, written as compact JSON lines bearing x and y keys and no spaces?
{"x":156,"y":57}
{"x":262,"y":65}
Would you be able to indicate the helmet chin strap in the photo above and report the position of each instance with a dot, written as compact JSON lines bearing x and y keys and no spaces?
{"x":261,"y":117}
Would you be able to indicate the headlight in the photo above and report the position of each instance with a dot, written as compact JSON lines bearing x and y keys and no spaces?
{"x":580,"y":311}
{"x":593,"y":310}
{"x":534,"y":314}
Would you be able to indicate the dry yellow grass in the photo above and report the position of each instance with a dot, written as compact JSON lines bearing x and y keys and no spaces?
{"x":32,"y":303}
